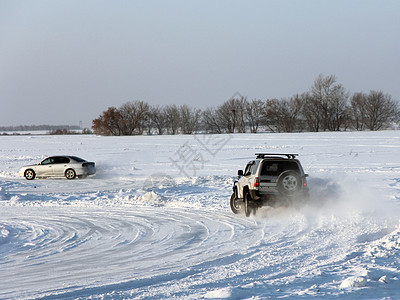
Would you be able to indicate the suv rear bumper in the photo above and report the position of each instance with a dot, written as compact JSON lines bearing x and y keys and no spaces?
{"x":257,"y":195}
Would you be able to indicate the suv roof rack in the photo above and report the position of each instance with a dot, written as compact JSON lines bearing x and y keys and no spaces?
{"x":288,"y":155}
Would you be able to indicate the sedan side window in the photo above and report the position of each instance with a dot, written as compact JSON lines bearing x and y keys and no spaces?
{"x":65,"y":160}
{"x":61,"y":160}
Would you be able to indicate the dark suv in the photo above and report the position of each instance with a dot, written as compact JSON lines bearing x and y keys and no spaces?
{"x":270,"y":179}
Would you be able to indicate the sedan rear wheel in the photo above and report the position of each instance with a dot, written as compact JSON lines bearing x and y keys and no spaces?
{"x":70,"y":174}
{"x":30,"y":174}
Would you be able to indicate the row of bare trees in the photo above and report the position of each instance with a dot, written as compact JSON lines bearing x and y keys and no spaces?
{"x":138,"y":117}
{"x":327,"y":106}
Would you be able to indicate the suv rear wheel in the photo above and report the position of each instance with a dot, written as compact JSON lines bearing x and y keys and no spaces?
{"x":248,"y":204}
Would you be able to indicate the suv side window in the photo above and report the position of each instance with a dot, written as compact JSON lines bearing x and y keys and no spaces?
{"x":254,"y":167}
{"x":248,"y":169}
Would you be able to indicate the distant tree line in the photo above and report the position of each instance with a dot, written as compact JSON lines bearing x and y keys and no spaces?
{"x":327,"y":106}
{"x":39,"y":127}
{"x":65,"y":131}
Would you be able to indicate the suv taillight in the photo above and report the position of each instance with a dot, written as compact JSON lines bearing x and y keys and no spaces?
{"x":257,"y":182}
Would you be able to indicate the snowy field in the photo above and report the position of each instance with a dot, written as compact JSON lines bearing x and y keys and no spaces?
{"x":155,"y":222}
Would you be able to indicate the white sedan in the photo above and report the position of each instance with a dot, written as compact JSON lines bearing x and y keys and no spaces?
{"x":59,"y":166}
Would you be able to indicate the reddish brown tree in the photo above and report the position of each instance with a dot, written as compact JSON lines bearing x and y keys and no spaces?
{"x":108,"y":123}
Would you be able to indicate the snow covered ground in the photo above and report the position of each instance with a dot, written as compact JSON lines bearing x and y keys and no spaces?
{"x":155,"y":222}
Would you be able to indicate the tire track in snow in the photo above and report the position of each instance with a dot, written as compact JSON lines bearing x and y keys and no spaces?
{"x":69,"y":250}
{"x":57,"y":252}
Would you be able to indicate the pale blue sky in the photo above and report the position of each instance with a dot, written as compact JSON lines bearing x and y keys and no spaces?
{"x":62,"y":62}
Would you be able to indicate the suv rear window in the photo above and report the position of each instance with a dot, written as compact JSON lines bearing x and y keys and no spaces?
{"x":274,"y":168}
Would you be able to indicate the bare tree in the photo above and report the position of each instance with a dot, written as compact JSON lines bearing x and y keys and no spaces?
{"x":227,"y":116}
{"x":380,"y":110}
{"x":134,"y":115}
{"x":330,"y":98}
{"x":240,"y":114}
{"x":210,"y":121}
{"x":173,"y":118}
{"x":158,"y":119}
{"x":291,"y":113}
{"x":271,"y":117}
{"x":348,"y":118}
{"x":189,"y":119}
{"x":231,"y":115}
{"x":321,"y":91}
{"x":254,"y":114}
{"x":358,"y":110}
{"x":284,"y":115}
{"x":311,"y":112}
{"x":337,"y":107}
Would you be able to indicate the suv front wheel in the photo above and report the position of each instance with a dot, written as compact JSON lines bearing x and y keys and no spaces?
{"x":236,"y":204}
